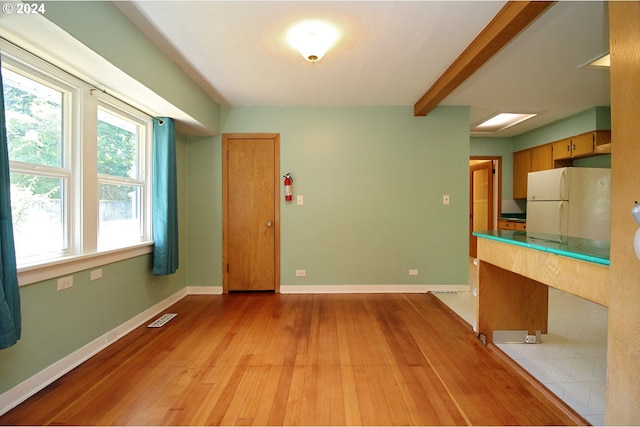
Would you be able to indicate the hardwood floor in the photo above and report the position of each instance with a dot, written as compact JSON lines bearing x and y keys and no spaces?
{"x":269,"y":359}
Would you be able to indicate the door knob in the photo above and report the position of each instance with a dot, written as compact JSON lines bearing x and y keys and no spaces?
{"x":269,"y":224}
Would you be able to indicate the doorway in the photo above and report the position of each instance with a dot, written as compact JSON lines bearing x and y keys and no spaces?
{"x":484,"y":192}
{"x":251,"y":212}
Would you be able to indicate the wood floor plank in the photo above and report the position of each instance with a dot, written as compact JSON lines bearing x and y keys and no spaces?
{"x":349,"y":391}
{"x":268,"y":359}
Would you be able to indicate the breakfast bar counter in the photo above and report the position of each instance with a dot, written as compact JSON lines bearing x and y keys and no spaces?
{"x":515,"y":271}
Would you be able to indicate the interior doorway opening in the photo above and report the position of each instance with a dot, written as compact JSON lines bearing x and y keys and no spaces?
{"x":485,"y":195}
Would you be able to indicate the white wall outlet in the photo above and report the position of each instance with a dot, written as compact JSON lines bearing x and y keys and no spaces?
{"x":96,"y":274}
{"x":445,"y":199}
{"x":300,"y":199}
{"x":301,"y":273}
{"x":65,"y":283}
{"x":413,"y":272}
{"x":530,"y":339}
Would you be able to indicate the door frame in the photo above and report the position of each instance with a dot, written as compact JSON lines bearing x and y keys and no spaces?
{"x":497,"y":195}
{"x":226,"y":137}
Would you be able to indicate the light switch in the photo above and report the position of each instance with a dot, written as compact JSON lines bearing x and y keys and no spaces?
{"x":445,"y":199}
{"x":300,"y":200}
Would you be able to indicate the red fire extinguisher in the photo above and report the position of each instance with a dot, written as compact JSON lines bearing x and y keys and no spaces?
{"x":287,"y":187}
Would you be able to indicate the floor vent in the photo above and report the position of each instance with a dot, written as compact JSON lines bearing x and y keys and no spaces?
{"x":160,"y":321}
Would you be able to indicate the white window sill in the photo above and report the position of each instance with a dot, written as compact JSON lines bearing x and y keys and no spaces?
{"x":70,"y":265}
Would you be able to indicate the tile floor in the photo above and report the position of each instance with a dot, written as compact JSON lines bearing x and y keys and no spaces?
{"x":572,"y":358}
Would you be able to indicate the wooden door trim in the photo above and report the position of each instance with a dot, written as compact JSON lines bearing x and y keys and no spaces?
{"x":490,"y":197}
{"x":226,"y":137}
{"x":499,"y":173}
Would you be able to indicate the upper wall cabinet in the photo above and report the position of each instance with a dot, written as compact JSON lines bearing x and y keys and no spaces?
{"x":529,"y":160}
{"x":541,"y":157}
{"x":556,"y":154}
{"x":583,"y":145}
{"x":521,"y":167}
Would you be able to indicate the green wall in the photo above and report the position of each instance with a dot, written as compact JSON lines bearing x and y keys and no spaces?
{"x":372,"y":180}
{"x":596,"y":118}
{"x":205,"y":211}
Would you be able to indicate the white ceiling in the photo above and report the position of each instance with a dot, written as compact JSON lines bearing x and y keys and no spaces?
{"x":389,"y":53}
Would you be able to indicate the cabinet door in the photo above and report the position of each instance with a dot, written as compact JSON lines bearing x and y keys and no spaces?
{"x":582,"y":145}
{"x":541,"y":158}
{"x":521,"y":167}
{"x":562,"y":149}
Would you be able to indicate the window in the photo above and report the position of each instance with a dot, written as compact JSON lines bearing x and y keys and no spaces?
{"x":63,"y":136}
{"x":38,"y":143}
{"x":121,"y":177}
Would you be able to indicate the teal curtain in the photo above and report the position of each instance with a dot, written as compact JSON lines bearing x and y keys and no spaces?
{"x":165,"y":197}
{"x":10,"y":318}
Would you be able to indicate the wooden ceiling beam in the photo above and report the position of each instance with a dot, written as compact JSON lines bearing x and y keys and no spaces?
{"x":506,"y":25}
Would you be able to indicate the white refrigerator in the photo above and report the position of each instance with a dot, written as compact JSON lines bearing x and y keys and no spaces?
{"x":569,"y":201}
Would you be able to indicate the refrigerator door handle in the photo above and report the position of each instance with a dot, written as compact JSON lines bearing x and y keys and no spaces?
{"x":561,"y":212}
{"x":563,"y":185}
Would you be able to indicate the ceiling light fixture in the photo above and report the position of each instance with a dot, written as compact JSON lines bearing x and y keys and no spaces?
{"x":312,"y":39}
{"x":500,"y":121}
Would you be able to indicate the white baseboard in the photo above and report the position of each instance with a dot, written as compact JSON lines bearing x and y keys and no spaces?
{"x":370,"y":289}
{"x":204,"y":290}
{"x":21,"y":392}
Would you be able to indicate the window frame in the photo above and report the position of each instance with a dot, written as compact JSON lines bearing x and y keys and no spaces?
{"x":144,"y":123}
{"x":79,"y":160}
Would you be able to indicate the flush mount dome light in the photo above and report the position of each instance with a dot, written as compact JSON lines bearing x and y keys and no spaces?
{"x":312,"y":39}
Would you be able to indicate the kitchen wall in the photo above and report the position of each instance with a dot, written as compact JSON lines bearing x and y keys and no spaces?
{"x":595,"y":118}
{"x":372,"y":180}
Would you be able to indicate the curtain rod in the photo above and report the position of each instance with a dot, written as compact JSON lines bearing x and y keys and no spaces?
{"x":92,"y":86}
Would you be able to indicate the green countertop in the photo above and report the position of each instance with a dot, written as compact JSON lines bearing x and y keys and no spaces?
{"x":514,"y":216}
{"x":596,"y":251}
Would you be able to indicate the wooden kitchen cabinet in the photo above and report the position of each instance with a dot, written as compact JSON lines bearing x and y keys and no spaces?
{"x":530,"y":160}
{"x":541,"y":157}
{"x":521,"y":168}
{"x":505,"y":224}
{"x":583,"y":145}
{"x":561,"y":149}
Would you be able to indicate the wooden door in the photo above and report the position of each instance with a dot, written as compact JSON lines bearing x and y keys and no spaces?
{"x":481,"y":202}
{"x":251,"y":212}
